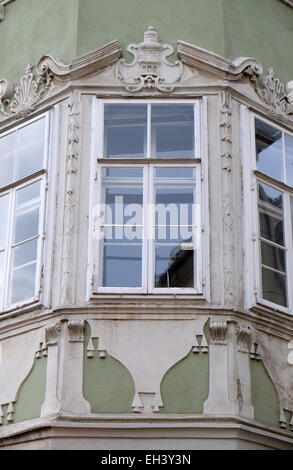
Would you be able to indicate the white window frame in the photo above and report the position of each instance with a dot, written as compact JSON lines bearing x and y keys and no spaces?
{"x":12,"y":188}
{"x":200,"y":164}
{"x":252,"y":246}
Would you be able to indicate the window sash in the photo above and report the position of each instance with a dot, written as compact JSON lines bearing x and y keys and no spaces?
{"x":148,"y":242}
{"x":11,"y":245}
{"x":287,"y":192}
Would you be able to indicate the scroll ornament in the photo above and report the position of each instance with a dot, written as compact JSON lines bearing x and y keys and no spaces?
{"x":21,"y":100}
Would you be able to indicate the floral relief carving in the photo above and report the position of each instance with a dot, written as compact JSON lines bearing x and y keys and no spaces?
{"x":22,"y":100}
{"x":70,"y":201}
{"x":272,"y":92}
{"x":150,"y":69}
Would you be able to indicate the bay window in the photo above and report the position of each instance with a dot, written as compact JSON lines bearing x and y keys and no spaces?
{"x":146,"y":198}
{"x":22,"y":185}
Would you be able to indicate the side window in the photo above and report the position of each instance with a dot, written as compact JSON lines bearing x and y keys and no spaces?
{"x":147,"y":198}
{"x":23,"y":163}
{"x":274,"y":175}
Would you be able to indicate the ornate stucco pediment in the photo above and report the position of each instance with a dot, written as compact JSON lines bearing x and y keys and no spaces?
{"x":150,"y":68}
{"x":150,"y":72}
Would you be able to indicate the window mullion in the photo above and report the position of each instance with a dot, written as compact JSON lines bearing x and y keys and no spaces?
{"x":8,"y":267}
{"x":149,"y":133}
{"x":288,"y":246}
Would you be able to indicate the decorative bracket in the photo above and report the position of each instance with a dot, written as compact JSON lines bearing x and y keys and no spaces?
{"x":150,"y":68}
{"x":218,"y":332}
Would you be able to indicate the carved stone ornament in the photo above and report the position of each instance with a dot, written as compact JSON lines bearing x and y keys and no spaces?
{"x":218,"y":331}
{"x":243,"y":338}
{"x":76,"y":331}
{"x":22,"y":100}
{"x":272,"y":92}
{"x":150,"y":68}
{"x":52,"y":333}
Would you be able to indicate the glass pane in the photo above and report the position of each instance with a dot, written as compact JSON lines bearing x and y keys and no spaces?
{"x":175,"y":173}
{"x":4,"y":220}
{"x":125,"y":131}
{"x":271,"y":228}
{"x":274,"y":287}
{"x":2,"y":255}
{"x":7,"y":155}
{"x":123,"y":195}
{"x":273,"y":257}
{"x":122,"y":265}
{"x":289,"y":159}
{"x":174,"y":266}
{"x":271,"y":214}
{"x":269,"y":151}
{"x":25,"y":253}
{"x":27,"y":212}
{"x":23,"y":283}
{"x":173,"y":131}
{"x":175,"y":196}
{"x":30,"y":155}
{"x":270,"y":195}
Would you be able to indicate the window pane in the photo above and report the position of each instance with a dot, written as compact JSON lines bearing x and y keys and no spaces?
{"x":173,"y":131}
{"x":25,"y":253}
{"x":122,"y":265}
{"x":273,"y":257}
{"x":271,"y":214}
{"x":175,"y":196}
{"x":7,"y":155}
{"x":270,"y":195}
{"x":174,"y":266}
{"x":27,"y":212}
{"x":289,"y":159}
{"x":123,"y":195}
{"x":269,"y":151}
{"x":271,"y":228}
{"x":4,"y":207}
{"x":23,"y":283}
{"x":30,"y":145}
{"x":125,"y":131}
{"x":274,"y":287}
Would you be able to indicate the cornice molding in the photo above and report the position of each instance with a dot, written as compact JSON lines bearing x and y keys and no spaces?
{"x":149,"y":73}
{"x":91,"y":62}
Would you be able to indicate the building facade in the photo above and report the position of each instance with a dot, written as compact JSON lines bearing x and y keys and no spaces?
{"x":146,"y":242}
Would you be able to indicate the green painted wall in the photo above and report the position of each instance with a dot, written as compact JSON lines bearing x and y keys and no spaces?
{"x":185,"y":386}
{"x":264,"y":395}
{"x":195,"y":21}
{"x":261,"y":29}
{"x":32,"y":28}
{"x":31,"y":394}
{"x":107,"y":384}
{"x":68,"y":28}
